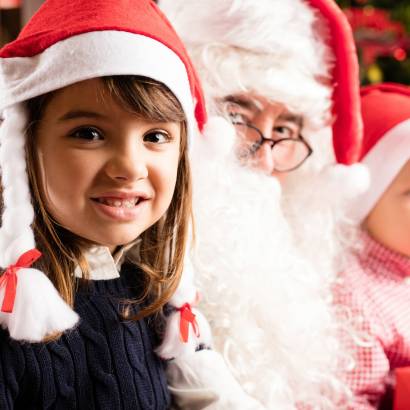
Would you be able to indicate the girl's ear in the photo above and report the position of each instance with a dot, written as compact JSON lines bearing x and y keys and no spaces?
{"x":31,"y":306}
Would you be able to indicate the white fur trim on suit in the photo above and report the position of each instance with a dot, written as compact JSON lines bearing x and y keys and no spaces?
{"x":38,"y":310}
{"x":394,"y":145}
{"x":90,"y":55}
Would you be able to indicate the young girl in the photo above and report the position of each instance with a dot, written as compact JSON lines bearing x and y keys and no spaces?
{"x":97,"y":106}
{"x":376,"y":286}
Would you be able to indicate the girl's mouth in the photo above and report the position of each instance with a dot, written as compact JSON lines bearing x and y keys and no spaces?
{"x":119,"y":203}
{"x":119,"y":209}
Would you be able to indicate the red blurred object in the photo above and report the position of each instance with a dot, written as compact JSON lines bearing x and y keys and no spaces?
{"x":377,"y":35}
{"x":402,"y":390}
{"x":10,"y":4}
{"x":400,"y":54}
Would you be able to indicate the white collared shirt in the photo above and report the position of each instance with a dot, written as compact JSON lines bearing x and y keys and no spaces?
{"x":102,"y":264}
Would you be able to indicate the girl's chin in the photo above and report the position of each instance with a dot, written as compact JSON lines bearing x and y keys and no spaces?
{"x":112,"y":242}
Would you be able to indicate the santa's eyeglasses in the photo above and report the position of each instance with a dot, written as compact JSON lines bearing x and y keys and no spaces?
{"x":288,"y":153}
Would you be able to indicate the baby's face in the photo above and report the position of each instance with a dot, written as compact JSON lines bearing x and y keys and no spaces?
{"x":389,"y":220}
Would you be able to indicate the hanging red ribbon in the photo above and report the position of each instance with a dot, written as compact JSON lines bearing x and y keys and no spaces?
{"x":187,"y":318}
{"x":9,"y":278}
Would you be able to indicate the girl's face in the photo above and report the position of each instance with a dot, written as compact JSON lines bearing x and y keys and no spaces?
{"x":389,"y":220}
{"x":107,"y":175}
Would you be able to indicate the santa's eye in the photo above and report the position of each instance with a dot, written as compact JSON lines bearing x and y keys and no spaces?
{"x":237,"y":117}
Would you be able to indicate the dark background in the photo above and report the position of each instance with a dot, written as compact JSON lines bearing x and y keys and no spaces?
{"x":382,"y":33}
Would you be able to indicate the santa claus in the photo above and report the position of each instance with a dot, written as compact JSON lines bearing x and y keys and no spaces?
{"x":272,"y":174}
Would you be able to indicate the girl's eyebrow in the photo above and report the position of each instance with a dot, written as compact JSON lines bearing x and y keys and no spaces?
{"x":71,"y":115}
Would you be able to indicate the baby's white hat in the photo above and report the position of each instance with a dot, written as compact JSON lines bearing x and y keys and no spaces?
{"x":386,"y":140}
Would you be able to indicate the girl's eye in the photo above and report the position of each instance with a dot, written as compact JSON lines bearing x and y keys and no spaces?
{"x":284,"y":131}
{"x":157,"y":137}
{"x":87,"y":133}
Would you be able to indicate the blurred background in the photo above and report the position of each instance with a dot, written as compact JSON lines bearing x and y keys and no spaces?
{"x":381,"y":29}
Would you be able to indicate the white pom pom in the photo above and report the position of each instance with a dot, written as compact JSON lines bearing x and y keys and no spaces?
{"x":350,"y":180}
{"x":38,"y":309}
{"x":218,"y":138}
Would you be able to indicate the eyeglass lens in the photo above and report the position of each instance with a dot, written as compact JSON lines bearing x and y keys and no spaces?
{"x":287,"y":154}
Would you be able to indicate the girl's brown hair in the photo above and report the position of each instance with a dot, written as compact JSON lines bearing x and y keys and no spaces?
{"x":162,"y":246}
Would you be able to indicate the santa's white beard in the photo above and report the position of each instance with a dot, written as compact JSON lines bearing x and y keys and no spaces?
{"x":268,"y":307}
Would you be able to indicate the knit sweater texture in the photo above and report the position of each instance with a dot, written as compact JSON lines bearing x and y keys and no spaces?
{"x":105,"y":363}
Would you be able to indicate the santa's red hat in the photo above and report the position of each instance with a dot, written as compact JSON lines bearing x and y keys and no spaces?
{"x":278,"y":48}
{"x":386,"y":141}
{"x":64,"y":43}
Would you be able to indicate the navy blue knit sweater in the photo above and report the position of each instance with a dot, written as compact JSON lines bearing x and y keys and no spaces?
{"x":105,"y":363}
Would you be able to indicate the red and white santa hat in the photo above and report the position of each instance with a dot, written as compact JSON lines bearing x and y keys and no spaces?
{"x":66,"y":42}
{"x":278,"y":48}
{"x":386,"y":141}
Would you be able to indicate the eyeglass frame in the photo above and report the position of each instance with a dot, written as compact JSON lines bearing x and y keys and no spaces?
{"x":258,"y":144}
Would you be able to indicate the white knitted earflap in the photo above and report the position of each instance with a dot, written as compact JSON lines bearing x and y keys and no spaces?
{"x":31,"y":306}
{"x":197,"y":330}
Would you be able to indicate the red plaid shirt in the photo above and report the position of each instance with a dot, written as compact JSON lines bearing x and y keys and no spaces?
{"x":376,"y":288}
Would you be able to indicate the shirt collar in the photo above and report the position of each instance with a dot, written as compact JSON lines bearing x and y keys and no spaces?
{"x":102,"y":264}
{"x":381,"y":256}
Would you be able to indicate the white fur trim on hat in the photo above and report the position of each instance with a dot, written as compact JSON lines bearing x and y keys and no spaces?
{"x":384,"y":162}
{"x":90,"y":55}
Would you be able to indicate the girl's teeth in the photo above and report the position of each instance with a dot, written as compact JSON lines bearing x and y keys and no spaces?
{"x":118,"y":203}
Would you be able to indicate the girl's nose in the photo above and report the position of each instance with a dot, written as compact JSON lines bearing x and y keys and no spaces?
{"x":128,"y":164}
